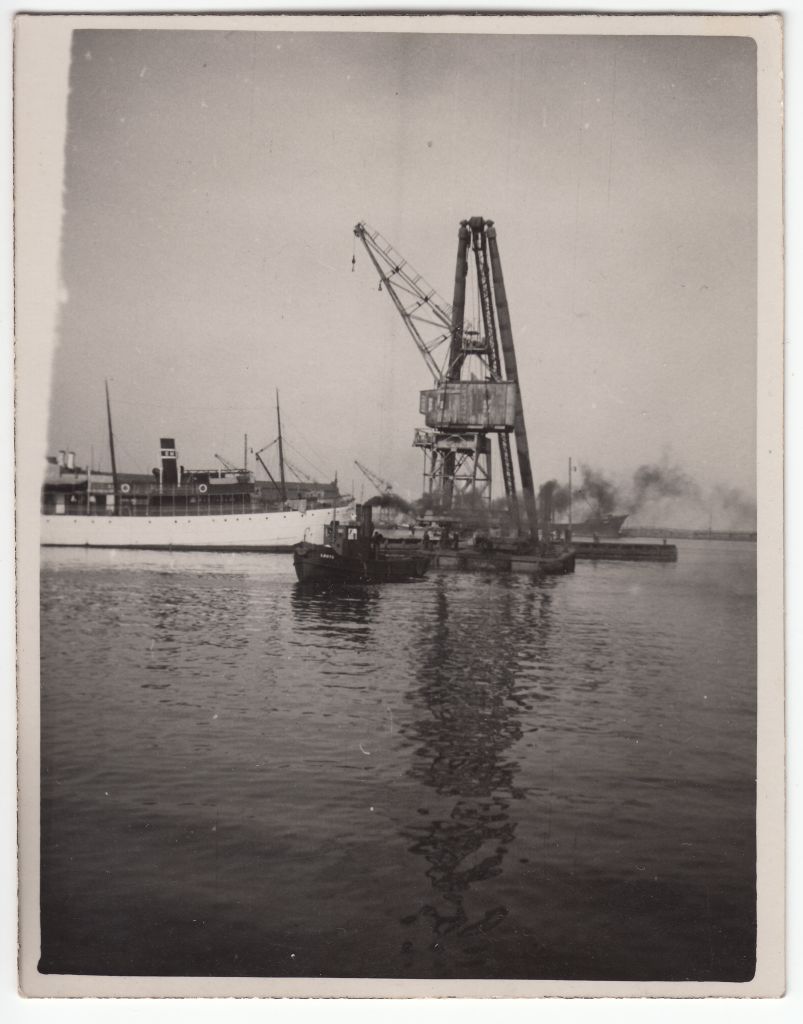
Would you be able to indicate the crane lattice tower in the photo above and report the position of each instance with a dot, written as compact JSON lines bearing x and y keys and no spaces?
{"x":476,"y":394}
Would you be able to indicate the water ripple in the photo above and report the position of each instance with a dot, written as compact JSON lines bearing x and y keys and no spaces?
{"x":472,"y":776}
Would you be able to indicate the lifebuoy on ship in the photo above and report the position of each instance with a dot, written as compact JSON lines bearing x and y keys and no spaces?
{"x":125,"y":488}
{"x":202,"y":488}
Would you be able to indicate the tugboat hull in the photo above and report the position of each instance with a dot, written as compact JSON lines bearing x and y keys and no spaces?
{"x":319,"y":563}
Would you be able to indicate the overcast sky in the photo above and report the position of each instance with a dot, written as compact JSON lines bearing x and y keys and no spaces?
{"x":213,"y":181}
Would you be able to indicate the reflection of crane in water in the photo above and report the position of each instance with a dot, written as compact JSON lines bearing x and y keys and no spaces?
{"x":469,"y":718}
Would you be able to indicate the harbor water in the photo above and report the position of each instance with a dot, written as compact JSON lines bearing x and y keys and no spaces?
{"x":467,"y":776}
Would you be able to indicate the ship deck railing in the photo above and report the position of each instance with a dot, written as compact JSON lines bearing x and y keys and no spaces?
{"x":218,"y":505}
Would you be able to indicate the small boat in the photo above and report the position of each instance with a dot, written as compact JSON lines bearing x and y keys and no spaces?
{"x":354,"y":552}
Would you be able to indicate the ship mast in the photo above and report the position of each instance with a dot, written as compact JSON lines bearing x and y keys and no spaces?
{"x":281,"y":449}
{"x":115,"y":487}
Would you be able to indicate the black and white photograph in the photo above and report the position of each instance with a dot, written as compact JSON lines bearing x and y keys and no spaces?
{"x":399,"y":504}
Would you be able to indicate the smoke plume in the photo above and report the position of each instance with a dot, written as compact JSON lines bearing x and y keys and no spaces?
{"x":390,"y":501}
{"x":660,"y":495}
{"x":600,"y":493}
{"x":651,"y":483}
{"x":736,"y":507}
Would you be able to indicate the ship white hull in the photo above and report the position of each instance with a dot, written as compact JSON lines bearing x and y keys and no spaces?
{"x":257,"y":531}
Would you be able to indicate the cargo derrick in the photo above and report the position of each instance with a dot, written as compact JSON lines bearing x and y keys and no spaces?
{"x":476,"y":392}
{"x":382,"y":486}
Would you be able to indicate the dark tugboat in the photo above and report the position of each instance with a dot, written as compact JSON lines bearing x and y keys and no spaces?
{"x":355,"y":553}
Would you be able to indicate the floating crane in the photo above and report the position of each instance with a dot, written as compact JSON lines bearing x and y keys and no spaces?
{"x":476,"y":391}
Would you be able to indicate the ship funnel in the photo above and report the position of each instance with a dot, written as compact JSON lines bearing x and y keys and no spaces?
{"x":169,"y":459}
{"x":61,"y":458}
{"x":70,"y":460}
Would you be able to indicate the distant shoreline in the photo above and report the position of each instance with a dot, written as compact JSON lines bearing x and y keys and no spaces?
{"x":655,"y":531}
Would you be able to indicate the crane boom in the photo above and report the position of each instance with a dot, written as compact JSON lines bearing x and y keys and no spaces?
{"x":286,"y":463}
{"x":300,"y":474}
{"x":383,"y":486}
{"x":281,"y":449}
{"x":115,"y":481}
{"x":261,"y":461}
{"x":265,"y":447}
{"x":417,"y":302}
{"x":226,"y":464}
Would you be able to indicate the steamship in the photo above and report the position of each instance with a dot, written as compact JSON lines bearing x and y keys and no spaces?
{"x":177,"y":509}
{"x":600,"y":525}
